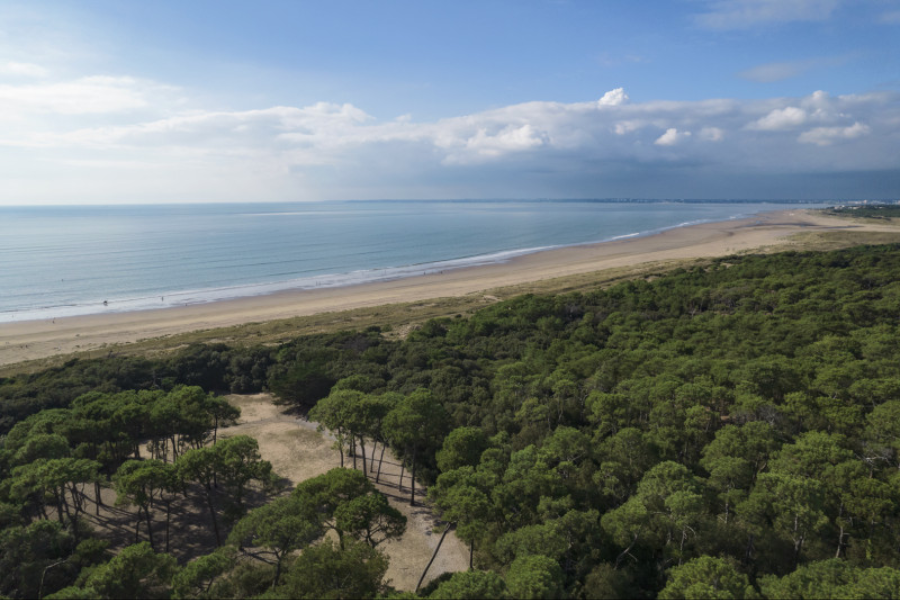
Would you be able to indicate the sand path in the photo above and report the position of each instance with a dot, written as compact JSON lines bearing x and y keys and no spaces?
{"x":29,"y":340}
{"x":297,"y":451}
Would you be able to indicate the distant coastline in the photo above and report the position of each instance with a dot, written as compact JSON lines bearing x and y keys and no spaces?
{"x":223,"y":252}
{"x":21,"y":341}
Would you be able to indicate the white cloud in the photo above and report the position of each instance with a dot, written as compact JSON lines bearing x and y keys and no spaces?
{"x":327,"y":147}
{"x":743,"y":14}
{"x":781,"y":118}
{"x":510,"y":139}
{"x":23,"y":69}
{"x":671,"y":137}
{"x":825,"y":136}
{"x":614,"y":97}
{"x":623,"y":127}
{"x":87,"y":95}
{"x":711,"y":134}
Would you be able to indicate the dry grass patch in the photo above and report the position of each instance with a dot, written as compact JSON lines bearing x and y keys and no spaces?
{"x":298,"y":452}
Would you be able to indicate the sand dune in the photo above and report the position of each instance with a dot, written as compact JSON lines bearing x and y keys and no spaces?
{"x":40,"y":339}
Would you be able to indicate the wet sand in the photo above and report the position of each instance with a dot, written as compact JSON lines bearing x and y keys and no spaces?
{"x":40,"y":339}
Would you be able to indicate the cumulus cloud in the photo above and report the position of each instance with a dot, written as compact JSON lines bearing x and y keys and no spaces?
{"x":22,"y":69}
{"x":825,"y":136}
{"x":339,"y":150}
{"x":712,"y":134}
{"x":671,"y":137}
{"x":98,"y":94}
{"x":510,"y":139}
{"x":623,"y":127}
{"x":743,"y":14}
{"x":781,"y":118}
{"x":613,"y":98}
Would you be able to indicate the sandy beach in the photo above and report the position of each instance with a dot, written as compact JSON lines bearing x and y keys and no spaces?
{"x":29,"y":340}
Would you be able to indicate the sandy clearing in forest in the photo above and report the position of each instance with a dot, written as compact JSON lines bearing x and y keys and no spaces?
{"x":40,"y":339}
{"x":297,"y":451}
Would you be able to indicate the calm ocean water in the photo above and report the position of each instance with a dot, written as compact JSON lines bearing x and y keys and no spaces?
{"x":61,"y":261}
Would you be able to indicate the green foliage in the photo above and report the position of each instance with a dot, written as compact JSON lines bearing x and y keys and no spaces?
{"x":535,"y":577}
{"x":25,"y":552}
{"x":347,"y":502}
{"x":328,"y":571}
{"x":280,"y":527}
{"x":140,"y":482}
{"x":868,"y":211}
{"x":136,"y":572}
{"x":370,"y":518}
{"x":707,"y":577}
{"x":238,"y":463}
{"x":303,"y":383}
{"x":745,"y":409}
{"x":417,"y":425}
{"x":196,"y":578}
{"x":463,"y":447}
{"x":471,"y":585}
{"x":833,"y":579}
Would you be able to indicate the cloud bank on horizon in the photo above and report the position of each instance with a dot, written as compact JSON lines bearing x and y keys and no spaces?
{"x":68,"y":135}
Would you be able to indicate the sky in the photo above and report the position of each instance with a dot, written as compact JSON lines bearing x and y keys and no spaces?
{"x":109,"y":102}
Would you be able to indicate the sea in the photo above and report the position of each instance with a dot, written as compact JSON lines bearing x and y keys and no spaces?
{"x":58,"y":261}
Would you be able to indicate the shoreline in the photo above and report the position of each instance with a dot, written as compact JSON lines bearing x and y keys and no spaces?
{"x":29,"y":340}
{"x":160,"y":298}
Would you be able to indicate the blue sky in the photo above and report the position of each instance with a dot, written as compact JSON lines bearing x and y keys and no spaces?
{"x":116,"y":102}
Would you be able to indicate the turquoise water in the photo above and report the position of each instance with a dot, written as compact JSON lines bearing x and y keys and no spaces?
{"x":61,"y":261}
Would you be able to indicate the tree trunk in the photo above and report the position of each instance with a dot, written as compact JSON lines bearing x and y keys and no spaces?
{"x":412,"y":480}
{"x":76,"y":498}
{"x":99,"y":498}
{"x":402,"y":469}
{"x":212,"y":513}
{"x":798,"y":548}
{"x":472,"y":555}
{"x":362,"y":449}
{"x":380,"y":460}
{"x":433,"y":555}
{"x":168,"y":521}
{"x":840,"y":545}
{"x":137,"y":528}
{"x":149,"y":527}
{"x":748,"y":553}
{"x":278,"y":559}
{"x":77,"y":506}
{"x":60,"y":502}
{"x":627,"y":550}
{"x":353,"y":449}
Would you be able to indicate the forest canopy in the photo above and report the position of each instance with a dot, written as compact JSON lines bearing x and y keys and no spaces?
{"x":729,"y":430}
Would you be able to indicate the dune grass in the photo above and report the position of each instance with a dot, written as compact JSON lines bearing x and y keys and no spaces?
{"x":396,"y":320}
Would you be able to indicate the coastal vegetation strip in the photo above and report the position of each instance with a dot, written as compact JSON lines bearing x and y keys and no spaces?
{"x":29,"y":347}
{"x":727,"y":427}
